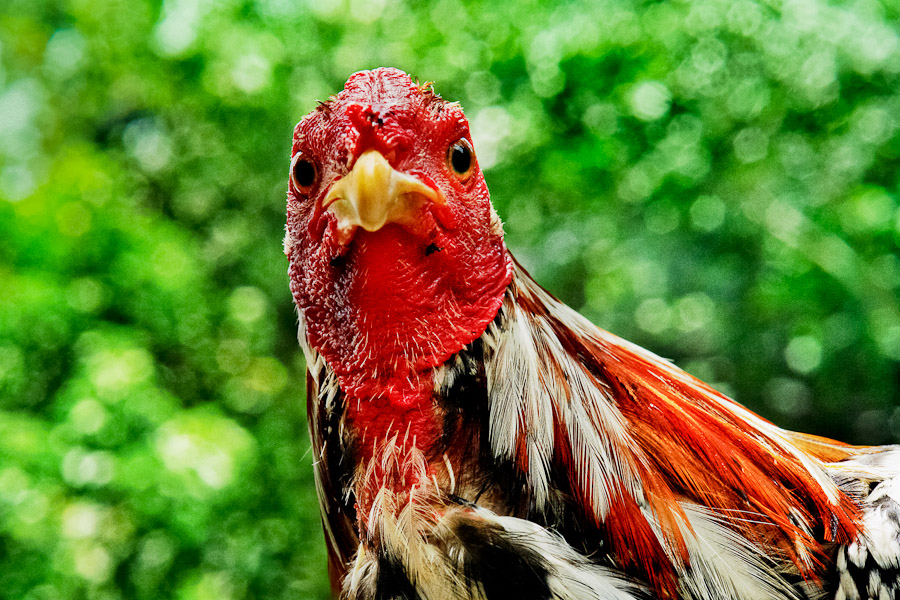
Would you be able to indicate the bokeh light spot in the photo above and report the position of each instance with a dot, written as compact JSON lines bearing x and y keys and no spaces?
{"x":803,"y":354}
{"x":247,"y":304}
{"x":751,"y":145}
{"x":653,"y":315}
{"x":650,"y":100}
{"x":81,"y":520}
{"x":88,"y":416}
{"x":707,"y":213}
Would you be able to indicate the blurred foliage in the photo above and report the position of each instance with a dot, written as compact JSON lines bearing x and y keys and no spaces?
{"x":716,"y":180}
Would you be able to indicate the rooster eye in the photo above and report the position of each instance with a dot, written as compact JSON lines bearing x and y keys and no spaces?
{"x":303,"y":173}
{"x":460,"y":157}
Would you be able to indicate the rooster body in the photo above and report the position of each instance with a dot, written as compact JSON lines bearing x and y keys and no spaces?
{"x":476,"y":438}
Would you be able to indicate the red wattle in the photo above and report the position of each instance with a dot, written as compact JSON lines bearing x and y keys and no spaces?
{"x":394,"y":307}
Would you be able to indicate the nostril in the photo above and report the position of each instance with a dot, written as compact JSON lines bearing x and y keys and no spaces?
{"x":376,"y":127}
{"x":359,"y":115}
{"x":364,"y":117}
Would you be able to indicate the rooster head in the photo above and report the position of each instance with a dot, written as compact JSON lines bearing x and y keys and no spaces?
{"x":397,"y":258}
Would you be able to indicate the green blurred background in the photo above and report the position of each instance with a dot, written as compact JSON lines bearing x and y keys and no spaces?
{"x":716,"y":180}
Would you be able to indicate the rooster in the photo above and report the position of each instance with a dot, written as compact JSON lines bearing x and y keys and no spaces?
{"x":476,"y":438}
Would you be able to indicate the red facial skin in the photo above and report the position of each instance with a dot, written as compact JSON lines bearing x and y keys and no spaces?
{"x":387,"y":307}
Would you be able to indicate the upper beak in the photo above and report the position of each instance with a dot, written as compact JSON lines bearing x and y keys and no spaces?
{"x":373,"y":194}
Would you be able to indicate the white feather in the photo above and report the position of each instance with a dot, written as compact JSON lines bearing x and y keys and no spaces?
{"x":724,"y":565}
{"x":521,"y":365}
{"x":519,"y":400}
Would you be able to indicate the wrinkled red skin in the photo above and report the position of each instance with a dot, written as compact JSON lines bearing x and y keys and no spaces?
{"x":386,"y":308}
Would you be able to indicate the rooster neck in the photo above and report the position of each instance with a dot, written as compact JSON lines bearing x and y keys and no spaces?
{"x":374,"y":422}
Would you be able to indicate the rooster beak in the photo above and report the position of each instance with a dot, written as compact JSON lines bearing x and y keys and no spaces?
{"x":373,"y":194}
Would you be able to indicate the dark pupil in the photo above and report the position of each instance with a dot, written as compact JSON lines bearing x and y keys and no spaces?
{"x":460,"y":158}
{"x":304,"y":173}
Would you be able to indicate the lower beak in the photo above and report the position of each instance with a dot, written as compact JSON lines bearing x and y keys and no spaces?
{"x":373,"y":194}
